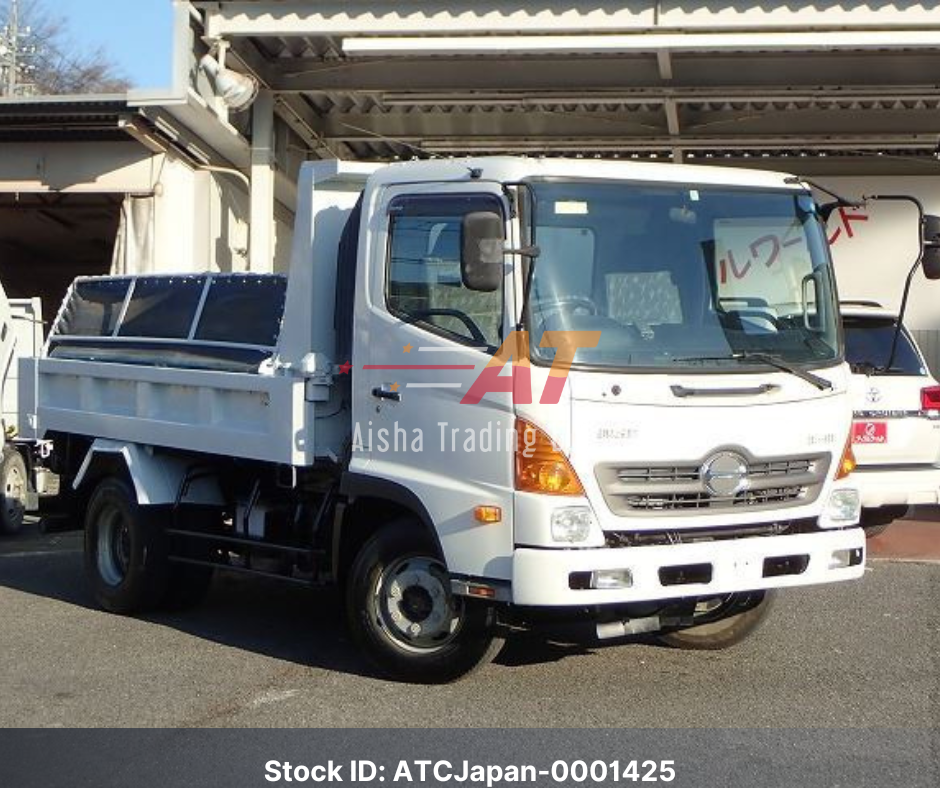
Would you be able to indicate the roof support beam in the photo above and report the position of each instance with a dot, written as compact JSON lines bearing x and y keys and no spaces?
{"x":664,"y":61}
{"x":713,"y":43}
{"x":821,"y":95}
{"x":291,"y":107}
{"x":665,"y":145}
{"x":672,"y":117}
{"x":352,"y":126}
{"x":577,"y":75}
{"x":261,"y":229}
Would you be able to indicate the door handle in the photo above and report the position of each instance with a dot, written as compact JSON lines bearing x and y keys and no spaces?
{"x":384,"y":393}
{"x":683,"y":392}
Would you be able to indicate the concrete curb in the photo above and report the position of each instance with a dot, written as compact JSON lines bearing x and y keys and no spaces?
{"x":908,"y":540}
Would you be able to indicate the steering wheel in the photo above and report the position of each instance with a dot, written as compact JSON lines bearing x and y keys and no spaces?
{"x":576,"y":304}
{"x":754,"y":317}
{"x":476,"y":333}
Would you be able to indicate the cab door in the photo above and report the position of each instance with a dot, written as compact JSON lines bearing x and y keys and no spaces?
{"x":428,"y":338}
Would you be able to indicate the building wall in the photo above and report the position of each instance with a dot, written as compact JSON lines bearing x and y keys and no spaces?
{"x":199,"y":220}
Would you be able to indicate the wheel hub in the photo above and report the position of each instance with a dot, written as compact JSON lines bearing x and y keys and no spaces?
{"x":415,"y":605}
{"x":114,"y":548}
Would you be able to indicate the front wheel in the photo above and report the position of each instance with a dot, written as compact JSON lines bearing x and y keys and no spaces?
{"x":402,"y":613}
{"x":721,"y":622}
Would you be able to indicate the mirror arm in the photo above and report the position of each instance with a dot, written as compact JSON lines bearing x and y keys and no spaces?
{"x":526,"y":251}
{"x":526,"y":292}
{"x":826,"y":208}
{"x":910,"y":276}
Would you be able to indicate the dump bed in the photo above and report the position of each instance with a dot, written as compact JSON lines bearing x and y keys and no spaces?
{"x":182,"y":361}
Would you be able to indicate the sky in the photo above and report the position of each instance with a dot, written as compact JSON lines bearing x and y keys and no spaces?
{"x":136,"y":34}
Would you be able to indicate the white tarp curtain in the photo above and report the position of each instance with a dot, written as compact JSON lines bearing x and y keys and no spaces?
{"x":133,"y":251}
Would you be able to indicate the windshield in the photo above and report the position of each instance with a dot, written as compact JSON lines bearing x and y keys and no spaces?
{"x":681,"y":276}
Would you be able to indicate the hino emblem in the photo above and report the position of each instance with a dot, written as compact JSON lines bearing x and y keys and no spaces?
{"x":724,"y":474}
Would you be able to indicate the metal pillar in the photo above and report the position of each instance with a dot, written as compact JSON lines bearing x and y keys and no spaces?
{"x":261,"y":255}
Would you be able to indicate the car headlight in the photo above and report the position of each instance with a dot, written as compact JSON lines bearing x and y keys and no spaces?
{"x":845,"y":508}
{"x":572,"y":524}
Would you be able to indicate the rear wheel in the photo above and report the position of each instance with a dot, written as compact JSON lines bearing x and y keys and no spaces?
{"x":876,"y":521}
{"x":401,"y":610}
{"x":721,"y":622}
{"x":14,"y":487}
{"x":125,"y":550}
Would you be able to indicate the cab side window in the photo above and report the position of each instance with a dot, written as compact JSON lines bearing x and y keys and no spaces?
{"x":423,"y":284}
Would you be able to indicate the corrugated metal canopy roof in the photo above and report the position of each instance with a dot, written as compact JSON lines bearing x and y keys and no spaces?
{"x":57,"y":119}
{"x":379,"y":80}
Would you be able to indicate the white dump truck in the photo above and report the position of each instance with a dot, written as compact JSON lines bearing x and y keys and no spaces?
{"x":489,"y":392}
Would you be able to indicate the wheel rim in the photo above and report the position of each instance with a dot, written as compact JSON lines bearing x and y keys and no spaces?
{"x":114,"y":546}
{"x":413,"y":604}
{"x":708,"y":609}
{"x":14,"y":491}
{"x":716,"y":609}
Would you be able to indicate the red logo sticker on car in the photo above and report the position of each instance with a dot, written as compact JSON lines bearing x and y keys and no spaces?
{"x":870,"y":432}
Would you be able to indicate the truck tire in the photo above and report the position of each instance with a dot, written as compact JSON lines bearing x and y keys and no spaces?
{"x":733,"y":619}
{"x":13,"y":483}
{"x":876,"y":521}
{"x":401,"y":611}
{"x":125,"y":550}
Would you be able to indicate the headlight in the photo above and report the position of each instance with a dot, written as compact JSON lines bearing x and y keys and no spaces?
{"x":611,"y":579}
{"x":845,"y":507}
{"x":572,"y":524}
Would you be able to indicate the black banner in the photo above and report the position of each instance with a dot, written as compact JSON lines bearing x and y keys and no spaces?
{"x":477,"y":758}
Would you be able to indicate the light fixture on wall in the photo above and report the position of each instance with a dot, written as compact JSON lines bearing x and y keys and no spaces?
{"x":238,"y":91}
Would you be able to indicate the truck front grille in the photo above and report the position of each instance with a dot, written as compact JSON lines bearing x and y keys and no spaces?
{"x":678,"y":488}
{"x":693,"y":535}
{"x":703,"y":500}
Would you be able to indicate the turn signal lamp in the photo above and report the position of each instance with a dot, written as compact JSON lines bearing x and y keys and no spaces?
{"x":488,"y":514}
{"x":848,"y":462}
{"x":540,"y":466}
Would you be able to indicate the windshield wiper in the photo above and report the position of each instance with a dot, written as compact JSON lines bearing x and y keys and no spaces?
{"x":761,"y":358}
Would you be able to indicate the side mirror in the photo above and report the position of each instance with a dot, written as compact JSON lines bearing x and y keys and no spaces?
{"x":482,"y":262}
{"x":931,"y":260}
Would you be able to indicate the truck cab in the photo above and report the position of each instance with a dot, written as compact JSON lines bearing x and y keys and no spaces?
{"x":645,"y":402}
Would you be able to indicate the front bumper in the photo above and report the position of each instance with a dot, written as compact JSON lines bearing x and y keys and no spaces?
{"x":542,"y":577}
{"x":886,"y":486}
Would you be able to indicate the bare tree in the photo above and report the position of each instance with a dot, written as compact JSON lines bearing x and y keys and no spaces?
{"x":38,"y":56}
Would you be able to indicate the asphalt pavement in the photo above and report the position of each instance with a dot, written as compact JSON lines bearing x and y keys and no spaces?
{"x":864,"y":654}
